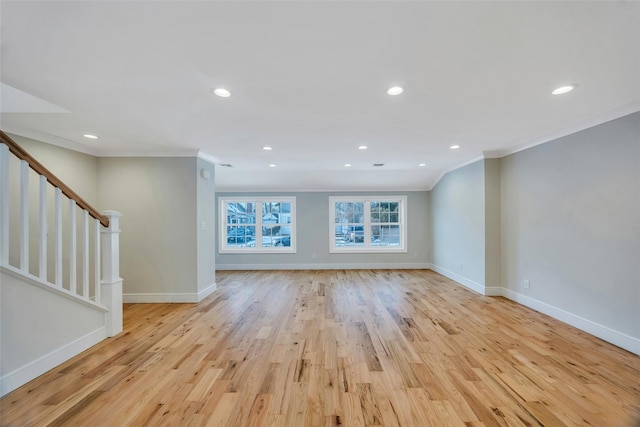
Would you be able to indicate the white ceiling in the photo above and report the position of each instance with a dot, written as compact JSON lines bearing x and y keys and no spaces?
{"x":310,"y":80}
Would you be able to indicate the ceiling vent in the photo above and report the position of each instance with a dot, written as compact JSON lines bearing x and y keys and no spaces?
{"x":226,"y":165}
{"x":378,"y":165}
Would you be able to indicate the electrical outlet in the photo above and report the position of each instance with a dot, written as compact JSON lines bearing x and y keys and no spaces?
{"x":527,"y":284}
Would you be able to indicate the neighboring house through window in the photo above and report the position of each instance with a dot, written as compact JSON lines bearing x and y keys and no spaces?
{"x":368,"y":224}
{"x":263,"y":224}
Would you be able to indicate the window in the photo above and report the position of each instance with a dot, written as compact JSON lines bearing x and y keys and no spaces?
{"x":368,"y":224}
{"x":257,"y":225}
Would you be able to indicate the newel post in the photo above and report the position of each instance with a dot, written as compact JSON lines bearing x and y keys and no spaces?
{"x":111,"y":283}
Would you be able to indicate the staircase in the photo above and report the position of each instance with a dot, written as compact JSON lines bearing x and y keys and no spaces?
{"x":60,"y":289}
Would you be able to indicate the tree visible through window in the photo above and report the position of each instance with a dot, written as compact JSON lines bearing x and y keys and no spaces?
{"x":368,"y":224}
{"x":257,"y":225}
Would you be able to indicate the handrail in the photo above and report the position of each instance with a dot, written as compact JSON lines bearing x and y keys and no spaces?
{"x":54,"y":180}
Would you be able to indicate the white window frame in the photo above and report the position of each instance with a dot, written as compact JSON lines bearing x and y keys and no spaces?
{"x":258,"y":248}
{"x":367,"y":247}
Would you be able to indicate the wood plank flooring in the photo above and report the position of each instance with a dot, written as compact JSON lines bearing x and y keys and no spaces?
{"x":337,"y":348}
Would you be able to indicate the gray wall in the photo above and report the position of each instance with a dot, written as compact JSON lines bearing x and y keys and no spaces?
{"x":164,"y":249}
{"x":458,"y":225}
{"x":206,"y":225}
{"x":571,"y":224}
{"x":158,"y":242}
{"x":312,"y":215}
{"x":492,"y":220}
{"x":78,"y":170}
{"x":564,"y":215}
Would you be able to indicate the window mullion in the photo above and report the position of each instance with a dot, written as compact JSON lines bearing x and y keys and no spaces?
{"x":367,"y":224}
{"x":258,"y":223}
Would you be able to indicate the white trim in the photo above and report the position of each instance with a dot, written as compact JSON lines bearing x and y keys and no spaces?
{"x":23,"y":375}
{"x":223,"y":202}
{"x":36,"y":281}
{"x":474,"y":286}
{"x":575,"y":127}
{"x":143,"y":298}
{"x":493,"y":291}
{"x":605,"y":333}
{"x":149,"y":298}
{"x":178,"y":297}
{"x":467,"y":163}
{"x":369,"y":250}
{"x":612,"y":336}
{"x":328,"y":266}
{"x":485,"y":154}
{"x":366,"y":222}
{"x":437,"y":180}
{"x":147,"y":153}
{"x":4,"y":204}
{"x":208,"y":158}
{"x":98,"y":152}
{"x":49,"y":139}
{"x":207,"y":291}
{"x":232,"y":190}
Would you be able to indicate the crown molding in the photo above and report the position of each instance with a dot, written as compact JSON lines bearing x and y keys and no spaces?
{"x":571,"y":128}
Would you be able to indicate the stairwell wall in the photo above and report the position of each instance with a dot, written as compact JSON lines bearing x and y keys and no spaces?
{"x":158,"y":244}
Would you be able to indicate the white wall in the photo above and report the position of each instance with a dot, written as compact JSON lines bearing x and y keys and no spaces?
{"x":312,"y":212}
{"x":39,"y":329}
{"x":158,"y":243}
{"x":571,"y":225}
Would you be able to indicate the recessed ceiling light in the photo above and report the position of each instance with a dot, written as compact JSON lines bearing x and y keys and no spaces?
{"x":267,"y":148}
{"x":223,"y":93}
{"x":454,"y":147}
{"x":362,"y":147}
{"x":422,"y":164}
{"x":347,"y":165}
{"x":564,"y":89}
{"x":396,"y":90}
{"x":272,"y":165}
{"x":88,"y":135}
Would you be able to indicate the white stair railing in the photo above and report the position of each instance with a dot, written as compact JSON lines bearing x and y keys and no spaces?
{"x":85,"y":260}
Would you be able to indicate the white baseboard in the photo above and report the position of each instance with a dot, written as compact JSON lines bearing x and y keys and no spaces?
{"x":187,"y":297}
{"x":617,"y":338}
{"x":150,"y":298}
{"x":468,"y":283}
{"x":612,"y":336}
{"x":23,"y":375}
{"x":493,"y":291}
{"x":207,"y":291}
{"x":328,"y":266}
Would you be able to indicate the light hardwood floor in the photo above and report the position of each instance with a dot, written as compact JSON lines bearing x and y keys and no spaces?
{"x":329,"y":348}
